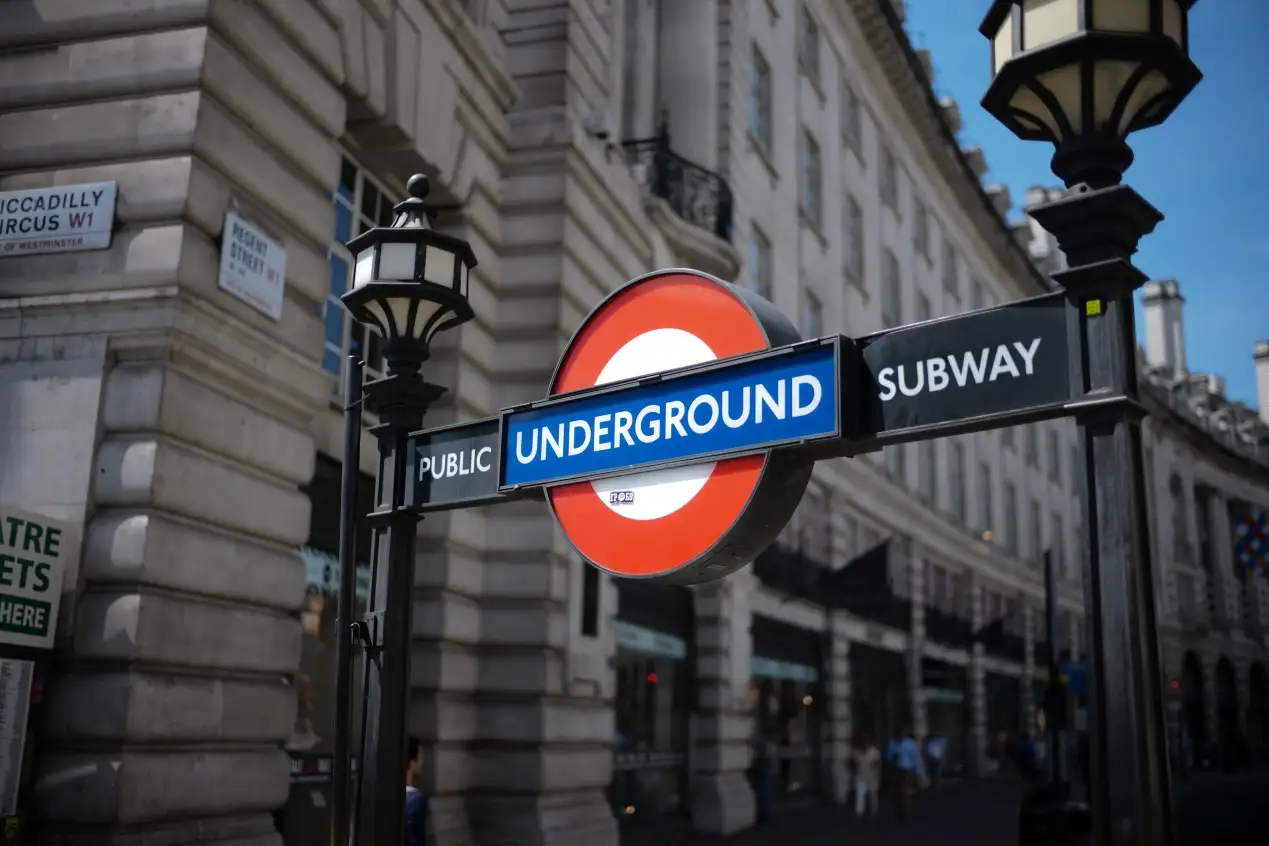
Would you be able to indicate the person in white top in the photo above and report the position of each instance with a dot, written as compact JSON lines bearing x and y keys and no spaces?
{"x":866,"y":762}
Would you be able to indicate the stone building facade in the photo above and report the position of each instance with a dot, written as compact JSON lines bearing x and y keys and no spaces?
{"x":794,"y":148}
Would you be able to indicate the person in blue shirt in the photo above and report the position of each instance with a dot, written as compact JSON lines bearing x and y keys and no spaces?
{"x":415,"y":801}
{"x":907,"y":765}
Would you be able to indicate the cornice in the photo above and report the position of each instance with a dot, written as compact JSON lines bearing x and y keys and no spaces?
{"x":883,"y":30}
{"x":1225,"y":456}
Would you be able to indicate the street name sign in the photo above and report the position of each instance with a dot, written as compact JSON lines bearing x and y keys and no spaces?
{"x":965,"y":369}
{"x":252,"y":265}
{"x":455,"y":466}
{"x":683,"y":420}
{"x":33,"y":553}
{"x":64,"y":219}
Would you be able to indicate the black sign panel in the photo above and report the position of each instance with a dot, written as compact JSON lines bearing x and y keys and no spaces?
{"x":454,"y":466}
{"x":989,"y":368}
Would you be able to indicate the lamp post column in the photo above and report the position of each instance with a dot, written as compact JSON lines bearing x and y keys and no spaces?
{"x":401,"y":399}
{"x":1130,"y":794}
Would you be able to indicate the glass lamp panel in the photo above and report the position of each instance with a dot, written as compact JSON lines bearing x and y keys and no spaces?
{"x":391,"y":313}
{"x":1152,"y":84}
{"x":1174,"y":22}
{"x":396,"y":262}
{"x":1064,"y":85}
{"x":1037,"y":114}
{"x":1002,"y":44}
{"x":1046,"y":21}
{"x":1121,"y":15}
{"x":363,"y":269}
{"x":438,"y":266}
{"x":424,"y":325}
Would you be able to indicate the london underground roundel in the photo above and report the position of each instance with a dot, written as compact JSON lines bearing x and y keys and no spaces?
{"x":681,"y":524}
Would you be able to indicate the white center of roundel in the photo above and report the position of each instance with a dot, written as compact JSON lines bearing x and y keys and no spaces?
{"x":656,"y":493}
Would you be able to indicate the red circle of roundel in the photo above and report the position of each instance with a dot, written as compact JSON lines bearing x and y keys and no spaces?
{"x":704,"y":308}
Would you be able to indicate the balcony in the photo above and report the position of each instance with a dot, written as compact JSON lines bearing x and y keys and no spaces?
{"x":948,"y":629}
{"x":692,"y":206}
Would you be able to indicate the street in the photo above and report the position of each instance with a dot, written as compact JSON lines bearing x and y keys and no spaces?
{"x":1212,"y":810}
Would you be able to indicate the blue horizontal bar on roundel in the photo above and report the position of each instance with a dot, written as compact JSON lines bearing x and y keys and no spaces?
{"x":755,"y":404}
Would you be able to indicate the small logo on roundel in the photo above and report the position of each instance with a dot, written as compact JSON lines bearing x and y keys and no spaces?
{"x":621,"y":497}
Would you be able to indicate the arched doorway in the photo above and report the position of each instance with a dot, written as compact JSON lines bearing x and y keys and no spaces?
{"x":1193,"y":694}
{"x":1229,"y":741}
{"x":1258,"y":713}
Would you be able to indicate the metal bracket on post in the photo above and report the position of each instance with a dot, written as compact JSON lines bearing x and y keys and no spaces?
{"x":368,"y":633}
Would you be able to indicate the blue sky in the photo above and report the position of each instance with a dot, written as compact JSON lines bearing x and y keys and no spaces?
{"x":1206,"y":169}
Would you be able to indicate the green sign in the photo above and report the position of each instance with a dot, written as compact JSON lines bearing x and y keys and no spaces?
{"x":33,"y":553}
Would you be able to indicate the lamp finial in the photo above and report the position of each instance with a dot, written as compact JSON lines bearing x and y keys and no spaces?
{"x":418,"y":186}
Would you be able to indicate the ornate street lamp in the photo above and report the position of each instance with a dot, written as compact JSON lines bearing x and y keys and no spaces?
{"x":410,"y":283}
{"x":1083,"y":75}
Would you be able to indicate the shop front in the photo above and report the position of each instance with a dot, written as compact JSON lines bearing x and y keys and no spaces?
{"x":786,"y":693}
{"x":945,"y":689}
{"x":306,"y":818}
{"x":653,"y":705}
{"x":880,"y":705}
{"x":1005,"y":720}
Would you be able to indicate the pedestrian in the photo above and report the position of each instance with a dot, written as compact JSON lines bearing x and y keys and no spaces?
{"x":935,"y":744}
{"x":761,"y":771}
{"x":415,"y":801}
{"x":907,"y":768}
{"x":866,"y":761}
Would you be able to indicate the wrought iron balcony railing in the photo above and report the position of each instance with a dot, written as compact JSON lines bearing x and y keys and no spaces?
{"x":698,"y":196}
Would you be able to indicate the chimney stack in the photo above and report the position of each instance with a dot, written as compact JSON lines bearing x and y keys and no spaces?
{"x":1262,"y":379}
{"x":1165,"y":330}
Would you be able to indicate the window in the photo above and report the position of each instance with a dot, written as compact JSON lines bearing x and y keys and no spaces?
{"x":950,"y":275}
{"x":1011,"y":518}
{"x":760,"y":263}
{"x":986,"y":498}
{"x":590,"y":600}
{"x":891,"y":292}
{"x":854,"y":240}
{"x":920,"y":228}
{"x":896,"y":462}
{"x":956,"y":480}
{"x":1075,"y":468}
{"x":927,"y":472}
{"x":809,"y":44}
{"x":977,"y":297}
{"x":360,"y":203}
{"x":1055,"y":455}
{"x":850,"y":116}
{"x":1037,"y":528}
{"x":1057,"y":544}
{"x":811,"y":172}
{"x":1031,"y":445}
{"x":1006,"y":437}
{"x":812,"y":315}
{"x":924,"y":311}
{"x":760,"y":101}
{"x":1180,"y":516}
{"x":889,"y":180}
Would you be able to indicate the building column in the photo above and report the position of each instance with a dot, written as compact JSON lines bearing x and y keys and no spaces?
{"x":165,"y":418}
{"x":916,"y":647}
{"x":1221,"y":539}
{"x":1030,"y":619}
{"x":687,"y":57}
{"x":721,"y":799}
{"x":838,"y":708}
{"x":977,"y":759}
